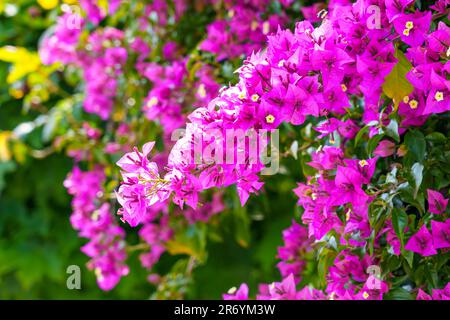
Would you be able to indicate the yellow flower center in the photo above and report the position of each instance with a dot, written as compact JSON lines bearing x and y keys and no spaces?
{"x":281,"y":63}
{"x":95,"y":215}
{"x":406,"y":32}
{"x":347,"y":215}
{"x":254,"y":25}
{"x":313,"y":196}
{"x":232,"y":290}
{"x":409,"y":25}
{"x":266,"y":27}
{"x":201,"y":91}
{"x":270,"y":118}
{"x":255,"y":98}
{"x":242,"y":95}
{"x":405,"y":99}
{"x":439,"y":96}
{"x":152,"y":102}
{"x":413,"y":104}
{"x":98,"y":273}
{"x":344,"y":87}
{"x":365,"y":295}
{"x":363,"y":163}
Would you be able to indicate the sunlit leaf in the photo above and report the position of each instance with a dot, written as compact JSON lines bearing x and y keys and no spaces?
{"x":396,"y":86}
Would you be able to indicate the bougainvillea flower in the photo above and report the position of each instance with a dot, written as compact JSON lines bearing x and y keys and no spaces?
{"x":373,"y":289}
{"x":437,"y":204}
{"x":327,"y":158}
{"x":328,"y":126}
{"x":394,"y":8}
{"x":348,"y":129}
{"x":348,"y":182}
{"x":296,"y":243}
{"x":384,"y":149}
{"x":248,"y":185}
{"x":324,"y":221}
{"x":440,"y":6}
{"x":443,"y":294}
{"x":438,"y":99}
{"x":311,"y":12}
{"x":284,"y":290}
{"x":422,"y":243}
{"x":365,"y":167}
{"x":441,"y":234}
{"x":239,"y":294}
{"x":422,"y":295}
{"x":308,"y":293}
{"x":439,"y":40}
{"x":413,"y":28}
{"x":142,"y":185}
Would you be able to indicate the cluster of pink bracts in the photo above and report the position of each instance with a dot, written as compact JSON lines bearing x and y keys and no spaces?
{"x":309,"y":73}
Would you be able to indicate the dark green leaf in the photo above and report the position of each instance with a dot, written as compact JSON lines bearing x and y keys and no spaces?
{"x":415,"y":141}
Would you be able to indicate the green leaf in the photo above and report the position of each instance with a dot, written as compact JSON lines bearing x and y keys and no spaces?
{"x":432,"y":275}
{"x":5,"y":167}
{"x":407,"y":195}
{"x":392,"y":130}
{"x":390,"y":264}
{"x":190,"y":241}
{"x":409,"y":257}
{"x":360,"y":134}
{"x":415,"y":141}
{"x":436,"y":137}
{"x":325,"y":260}
{"x":396,"y":86}
{"x":417,"y":174}
{"x":241,"y":222}
{"x":398,"y":294}
{"x":399,"y":222}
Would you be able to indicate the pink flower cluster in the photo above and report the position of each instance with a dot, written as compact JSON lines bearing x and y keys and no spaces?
{"x":426,"y":243}
{"x":101,"y":60}
{"x":95,"y":12}
{"x":283,"y":84}
{"x":242,"y":32}
{"x":296,"y":244}
{"x":171,"y":93}
{"x":322,"y":198}
{"x":325,"y":72}
{"x":437,"y":294}
{"x":287,"y":289}
{"x":106,"y":246}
